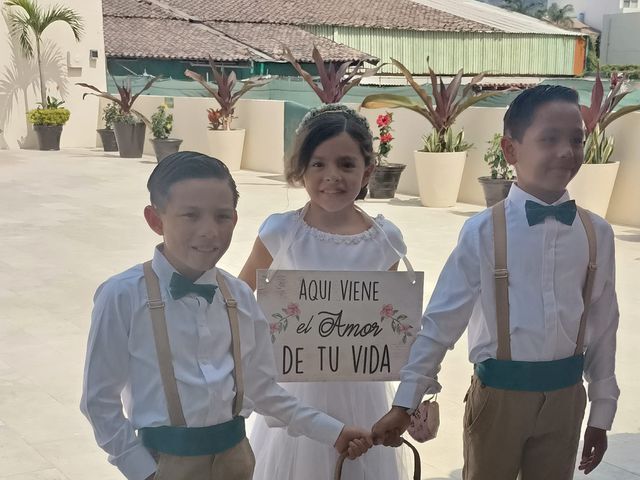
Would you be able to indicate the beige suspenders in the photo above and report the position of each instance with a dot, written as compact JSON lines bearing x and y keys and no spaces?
{"x":502,"y":280}
{"x":161,"y":337}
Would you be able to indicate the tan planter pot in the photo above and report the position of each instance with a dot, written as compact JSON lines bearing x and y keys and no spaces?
{"x":592,"y":187}
{"x":439,"y":177}
{"x":227,"y":146}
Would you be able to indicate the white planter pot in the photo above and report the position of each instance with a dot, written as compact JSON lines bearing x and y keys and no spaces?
{"x":592,"y":186}
{"x":439,"y":177}
{"x":227,"y":146}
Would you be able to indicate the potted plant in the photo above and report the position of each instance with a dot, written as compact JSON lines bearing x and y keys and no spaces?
{"x":593,"y":185}
{"x":384,"y":180}
{"x":161,"y":127}
{"x":47,"y":121}
{"x":334,"y":81}
{"x":129,"y":125}
{"x":225,"y":143}
{"x":110,"y":114}
{"x":440,"y":162}
{"x":496,"y":186}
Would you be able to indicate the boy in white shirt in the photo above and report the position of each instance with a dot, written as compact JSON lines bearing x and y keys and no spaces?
{"x":533,"y":278}
{"x":175,"y":342}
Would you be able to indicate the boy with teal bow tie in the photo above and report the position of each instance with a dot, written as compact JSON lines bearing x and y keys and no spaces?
{"x":176,"y":342}
{"x":533,"y":279}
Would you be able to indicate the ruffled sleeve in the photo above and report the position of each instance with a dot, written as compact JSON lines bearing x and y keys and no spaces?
{"x":274,"y":229}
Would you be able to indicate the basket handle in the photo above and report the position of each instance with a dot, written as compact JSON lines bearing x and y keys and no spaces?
{"x":416,"y":462}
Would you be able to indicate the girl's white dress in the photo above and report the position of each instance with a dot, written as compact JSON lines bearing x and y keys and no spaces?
{"x":280,"y":456}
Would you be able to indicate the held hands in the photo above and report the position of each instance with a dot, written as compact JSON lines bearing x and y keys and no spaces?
{"x":388,"y":429}
{"x":595,"y":444}
{"x":353,"y":441}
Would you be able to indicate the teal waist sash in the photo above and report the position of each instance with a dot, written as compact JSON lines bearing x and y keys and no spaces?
{"x":194,"y":441}
{"x":530,"y":376}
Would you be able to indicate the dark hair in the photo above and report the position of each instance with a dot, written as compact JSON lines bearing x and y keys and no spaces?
{"x":523,"y":108}
{"x":322,"y":127}
{"x":185,"y":166}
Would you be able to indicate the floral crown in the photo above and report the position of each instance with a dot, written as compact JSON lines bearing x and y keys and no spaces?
{"x":332,"y":108}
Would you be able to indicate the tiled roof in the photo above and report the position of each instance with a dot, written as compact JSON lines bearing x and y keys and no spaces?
{"x":141,"y":29}
{"x":270,"y":39}
{"x":168,"y":39}
{"x":133,"y":8}
{"x":401,"y":14}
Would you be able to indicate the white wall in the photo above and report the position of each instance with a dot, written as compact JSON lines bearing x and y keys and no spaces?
{"x":262,"y":119}
{"x":19,"y":84}
{"x":620,"y":41}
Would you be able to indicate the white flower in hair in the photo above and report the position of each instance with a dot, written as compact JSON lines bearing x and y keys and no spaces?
{"x":331,"y":108}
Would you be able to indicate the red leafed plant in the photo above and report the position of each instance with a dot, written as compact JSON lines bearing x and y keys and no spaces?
{"x":223,"y":92}
{"x":441,"y":108}
{"x":600,"y":114}
{"x":125,"y":100}
{"x":335,"y":82}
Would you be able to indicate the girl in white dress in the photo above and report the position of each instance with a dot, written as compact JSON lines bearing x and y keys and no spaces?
{"x":333,"y":159}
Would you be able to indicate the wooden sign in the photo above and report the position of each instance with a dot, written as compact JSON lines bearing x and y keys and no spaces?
{"x":331,"y":326}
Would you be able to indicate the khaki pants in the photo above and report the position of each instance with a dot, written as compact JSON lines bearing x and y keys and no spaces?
{"x":237,"y":463}
{"x":534,"y":433}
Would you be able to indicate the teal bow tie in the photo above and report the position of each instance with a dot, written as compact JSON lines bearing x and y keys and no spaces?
{"x":181,"y":286}
{"x":564,"y":213}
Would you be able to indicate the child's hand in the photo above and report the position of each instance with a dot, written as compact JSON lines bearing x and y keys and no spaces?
{"x":388,"y":429}
{"x":353,"y":441}
{"x":595,"y":444}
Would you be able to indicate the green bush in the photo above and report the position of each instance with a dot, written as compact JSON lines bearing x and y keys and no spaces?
{"x":49,"y":116}
{"x":631,"y":71}
{"x":161,"y":123}
{"x":110,"y":115}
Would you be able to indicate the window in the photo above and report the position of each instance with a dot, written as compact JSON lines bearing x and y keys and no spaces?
{"x":630,"y":3}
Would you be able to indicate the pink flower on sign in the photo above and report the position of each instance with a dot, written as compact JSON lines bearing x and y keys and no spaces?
{"x":274,"y":327}
{"x":403,"y":327}
{"x":292,"y":310}
{"x":387,"y":311}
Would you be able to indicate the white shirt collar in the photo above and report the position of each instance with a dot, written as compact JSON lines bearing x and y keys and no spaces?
{"x":165,"y":270}
{"x":519,"y":197}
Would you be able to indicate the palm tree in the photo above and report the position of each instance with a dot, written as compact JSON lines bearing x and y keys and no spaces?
{"x":527,"y":7}
{"x":31,"y":21}
{"x":560,"y":16}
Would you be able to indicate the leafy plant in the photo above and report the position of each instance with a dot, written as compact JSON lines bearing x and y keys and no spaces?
{"x":447,"y":142}
{"x":598,"y":148}
{"x":52,"y":102}
{"x":600,"y":114}
{"x":384,"y":138}
{"x":335,"y":82}
{"x":49,"y":116}
{"x":494,"y":157}
{"x":441,"y":108}
{"x":161,"y":123}
{"x":215,"y":118}
{"x":30,"y":22}
{"x":223,"y":93}
{"x":110,"y":115}
{"x":124,"y":101}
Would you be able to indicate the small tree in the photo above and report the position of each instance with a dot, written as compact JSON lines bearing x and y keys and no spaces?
{"x":533,"y":8}
{"x":560,"y":16}
{"x":29,"y":20}
{"x":335,"y":82}
{"x":223,"y":93}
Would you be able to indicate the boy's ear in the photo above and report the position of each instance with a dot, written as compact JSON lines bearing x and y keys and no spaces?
{"x":509,"y":149}
{"x":153,"y":219}
{"x":367,"y":175}
{"x":235,"y":217}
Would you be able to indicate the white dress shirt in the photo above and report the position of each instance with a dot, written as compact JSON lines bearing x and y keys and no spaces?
{"x":547,"y":266}
{"x":121,"y":368}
